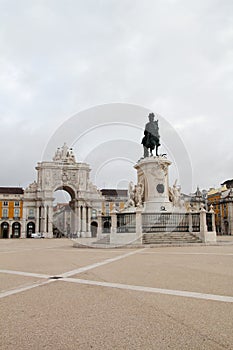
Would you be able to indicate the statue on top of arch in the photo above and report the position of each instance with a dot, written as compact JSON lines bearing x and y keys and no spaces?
{"x":32,"y":187}
{"x":64,"y":154}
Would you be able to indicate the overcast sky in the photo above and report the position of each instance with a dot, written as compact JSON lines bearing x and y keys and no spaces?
{"x":172,"y":57}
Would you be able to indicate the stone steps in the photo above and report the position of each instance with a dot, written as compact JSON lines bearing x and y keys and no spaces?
{"x":170,"y":238}
{"x":104,"y":240}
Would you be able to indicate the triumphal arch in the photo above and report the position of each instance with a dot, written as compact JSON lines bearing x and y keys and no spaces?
{"x":62,"y":173}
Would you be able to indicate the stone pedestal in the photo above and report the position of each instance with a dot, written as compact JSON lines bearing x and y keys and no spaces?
{"x":153,"y":174}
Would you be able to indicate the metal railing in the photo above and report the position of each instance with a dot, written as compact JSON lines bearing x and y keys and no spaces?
{"x":126,"y":223}
{"x":195,"y":222}
{"x":209,"y":222}
{"x":165,"y":222}
{"x":106,"y":224}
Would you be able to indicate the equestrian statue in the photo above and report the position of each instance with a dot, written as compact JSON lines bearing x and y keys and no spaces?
{"x":151,"y":137}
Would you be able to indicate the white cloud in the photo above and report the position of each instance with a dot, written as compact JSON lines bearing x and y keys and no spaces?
{"x":200,"y":121}
{"x":171,"y":56}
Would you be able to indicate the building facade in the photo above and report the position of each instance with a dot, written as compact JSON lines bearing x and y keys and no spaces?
{"x":222,"y":201}
{"x":11,"y":209}
{"x":23,"y":212}
{"x":113,"y":198}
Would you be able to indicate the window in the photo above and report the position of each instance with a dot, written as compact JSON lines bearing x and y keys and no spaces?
{"x":16,"y":213}
{"x":5,"y":204}
{"x":94,"y":213}
{"x":31,"y":213}
{"x":17,"y":204}
{"x":5,"y":213}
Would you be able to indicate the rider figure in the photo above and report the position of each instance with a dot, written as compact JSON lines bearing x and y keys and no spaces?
{"x":151,"y":136}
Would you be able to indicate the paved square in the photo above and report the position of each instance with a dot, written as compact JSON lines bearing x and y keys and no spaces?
{"x":54,"y":296}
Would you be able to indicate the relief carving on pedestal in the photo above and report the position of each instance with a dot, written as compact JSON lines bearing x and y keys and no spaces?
{"x":157,"y":172}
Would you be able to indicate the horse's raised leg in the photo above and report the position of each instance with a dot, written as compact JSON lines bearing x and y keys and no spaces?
{"x":146,"y":152}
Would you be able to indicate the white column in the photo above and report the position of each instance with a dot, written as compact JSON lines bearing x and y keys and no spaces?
{"x":41,"y":218}
{"x":203,"y":226}
{"x":44,"y":212}
{"x":113,"y":222}
{"x":24,"y":223}
{"x":87,"y":213}
{"x":213,"y":218}
{"x":79,"y":220}
{"x":75,"y":218}
{"x":10,"y":229}
{"x":84,"y":220}
{"x":72,"y":228}
{"x":50,"y":221}
{"x":89,"y":219}
{"x":209,"y":236}
{"x":37,"y":218}
{"x":230,"y":216}
{"x":139,"y":224}
{"x":88,"y":222}
{"x":99,"y":220}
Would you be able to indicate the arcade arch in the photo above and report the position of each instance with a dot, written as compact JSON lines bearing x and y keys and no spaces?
{"x":94,"y":228}
{"x":62,"y":209}
{"x":16,"y":230}
{"x":5,"y":230}
{"x":31,"y":227}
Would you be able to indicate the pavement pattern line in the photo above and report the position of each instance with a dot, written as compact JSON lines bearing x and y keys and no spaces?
{"x":25,"y":274}
{"x":177,"y":253}
{"x":68,"y":273}
{"x":93,"y":266}
{"x":64,"y":275}
{"x":23,"y":289}
{"x":28,"y":249}
{"x":173,"y":292}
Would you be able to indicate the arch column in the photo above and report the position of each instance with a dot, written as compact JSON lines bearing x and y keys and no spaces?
{"x":50,"y":220}
{"x":45,"y":215}
{"x":88,"y":221}
{"x":72,"y":222}
{"x":43,"y":219}
{"x":75,"y":218}
{"x":37,"y":218}
{"x":10,"y":232}
{"x":83,"y":222}
{"x":24,"y":223}
{"x":79,"y":220}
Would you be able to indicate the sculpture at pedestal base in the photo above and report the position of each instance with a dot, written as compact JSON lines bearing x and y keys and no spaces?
{"x":153,"y":175}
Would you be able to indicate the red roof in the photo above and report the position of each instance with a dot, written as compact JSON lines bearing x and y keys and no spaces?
{"x":114,"y":192}
{"x":11,"y":190}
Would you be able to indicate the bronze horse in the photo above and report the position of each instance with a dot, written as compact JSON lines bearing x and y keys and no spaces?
{"x":151,"y":136}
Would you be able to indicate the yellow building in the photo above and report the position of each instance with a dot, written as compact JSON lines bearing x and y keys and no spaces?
{"x":11,"y":212}
{"x":222,"y":201}
{"x":113,"y":197}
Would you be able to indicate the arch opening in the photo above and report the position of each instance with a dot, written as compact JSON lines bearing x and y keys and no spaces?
{"x":94,"y":228}
{"x":4,"y":230}
{"x":62,"y":211}
{"x":16,"y":230}
{"x":31,"y":228}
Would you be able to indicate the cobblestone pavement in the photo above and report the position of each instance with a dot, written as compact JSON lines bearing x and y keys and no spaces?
{"x":54,"y":296}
